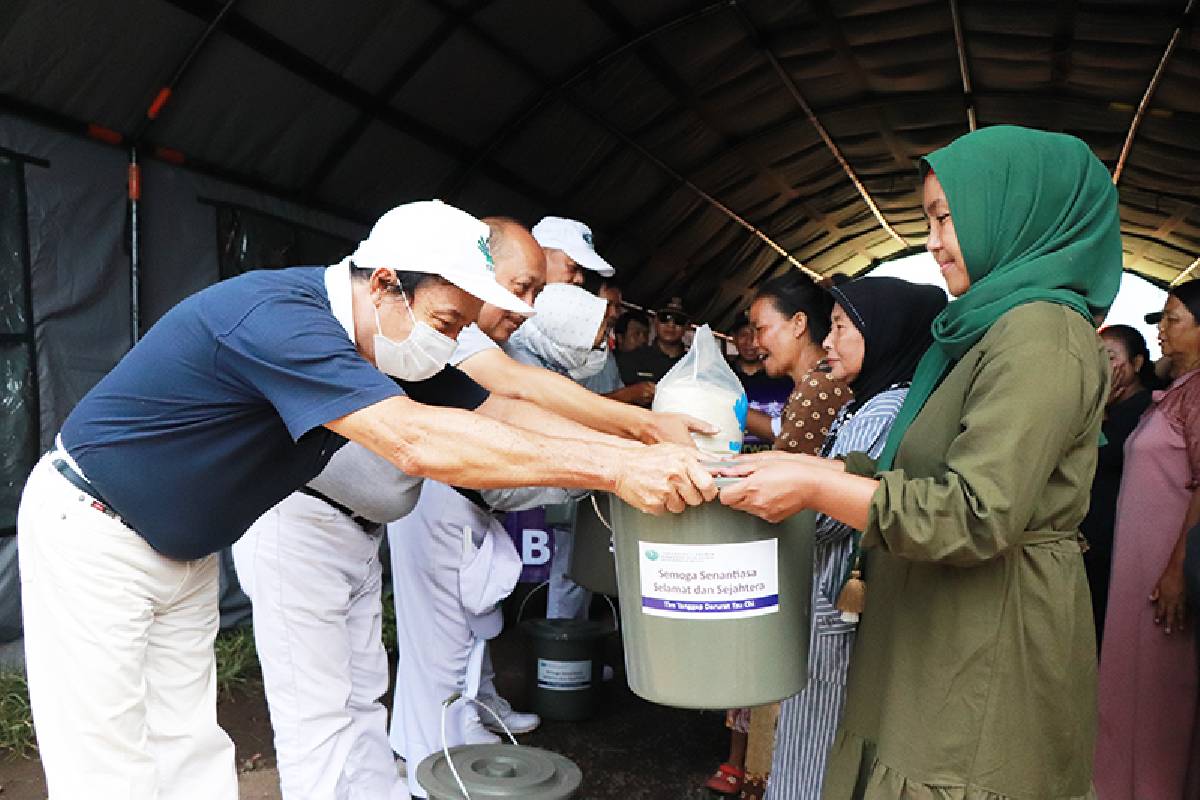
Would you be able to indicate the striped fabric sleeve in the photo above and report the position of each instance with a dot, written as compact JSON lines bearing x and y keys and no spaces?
{"x":866,"y":432}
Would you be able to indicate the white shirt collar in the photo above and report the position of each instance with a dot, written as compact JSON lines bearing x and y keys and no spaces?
{"x":341,"y":302}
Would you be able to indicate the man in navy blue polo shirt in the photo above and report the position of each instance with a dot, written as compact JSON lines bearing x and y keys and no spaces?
{"x":237,"y":397}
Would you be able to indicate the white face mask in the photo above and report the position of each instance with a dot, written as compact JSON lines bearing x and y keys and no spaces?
{"x":590,"y":365}
{"x":423,"y":354}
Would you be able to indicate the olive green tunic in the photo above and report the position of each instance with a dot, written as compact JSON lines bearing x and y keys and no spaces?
{"x":974,"y":675}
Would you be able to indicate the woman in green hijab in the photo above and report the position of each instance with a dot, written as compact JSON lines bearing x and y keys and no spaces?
{"x":974,"y":674}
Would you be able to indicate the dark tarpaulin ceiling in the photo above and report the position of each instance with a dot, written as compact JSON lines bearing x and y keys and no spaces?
{"x":690,"y":135}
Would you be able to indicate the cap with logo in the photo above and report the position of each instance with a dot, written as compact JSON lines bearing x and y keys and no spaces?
{"x":573,"y":238}
{"x":674,"y":308}
{"x":433,"y":237}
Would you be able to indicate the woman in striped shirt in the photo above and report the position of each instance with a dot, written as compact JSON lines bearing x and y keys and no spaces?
{"x":880,"y":328}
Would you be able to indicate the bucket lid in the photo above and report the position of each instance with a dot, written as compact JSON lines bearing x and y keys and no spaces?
{"x":565,"y":630}
{"x":500,"y":771}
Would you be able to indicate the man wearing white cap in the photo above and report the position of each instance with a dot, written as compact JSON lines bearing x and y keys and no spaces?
{"x":569,"y":250}
{"x":238,"y":396}
{"x":441,"y":619}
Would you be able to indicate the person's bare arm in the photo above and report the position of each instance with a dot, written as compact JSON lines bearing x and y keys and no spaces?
{"x":498,"y":373}
{"x":528,"y":416}
{"x":759,"y":424}
{"x":639,"y":394}
{"x":466,"y":449}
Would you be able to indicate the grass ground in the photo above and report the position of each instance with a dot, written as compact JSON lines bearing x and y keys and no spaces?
{"x":16,"y":722}
{"x":237,"y":670}
{"x":237,"y":660}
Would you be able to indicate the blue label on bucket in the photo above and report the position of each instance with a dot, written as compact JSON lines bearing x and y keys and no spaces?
{"x":710,"y":581}
{"x":712,"y":606}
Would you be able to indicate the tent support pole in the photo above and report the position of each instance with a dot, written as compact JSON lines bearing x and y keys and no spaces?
{"x":1187,"y":273}
{"x":135,"y":191}
{"x":164,"y":94}
{"x":960,"y":46}
{"x":1150,"y":90}
{"x":789,"y":83}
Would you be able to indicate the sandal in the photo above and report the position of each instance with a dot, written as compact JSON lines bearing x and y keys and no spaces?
{"x":726,"y":780}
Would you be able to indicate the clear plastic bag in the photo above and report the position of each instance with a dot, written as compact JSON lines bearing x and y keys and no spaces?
{"x":703,"y":385}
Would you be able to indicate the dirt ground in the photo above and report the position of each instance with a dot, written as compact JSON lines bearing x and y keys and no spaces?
{"x":631,"y":749}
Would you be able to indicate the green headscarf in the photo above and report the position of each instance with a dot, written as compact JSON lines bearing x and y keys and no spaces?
{"x":1037,"y":220}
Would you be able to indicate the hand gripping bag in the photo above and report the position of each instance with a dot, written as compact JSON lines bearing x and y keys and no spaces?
{"x":702,"y":385}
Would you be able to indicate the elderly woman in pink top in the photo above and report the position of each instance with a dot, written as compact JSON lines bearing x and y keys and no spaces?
{"x":1149,"y":741}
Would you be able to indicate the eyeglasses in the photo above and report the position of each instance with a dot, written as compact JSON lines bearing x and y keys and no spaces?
{"x":671,"y":318}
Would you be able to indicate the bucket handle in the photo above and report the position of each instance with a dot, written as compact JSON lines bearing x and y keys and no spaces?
{"x":603,"y":521}
{"x":532,"y":592}
{"x":612,"y":607}
{"x":449,"y":701}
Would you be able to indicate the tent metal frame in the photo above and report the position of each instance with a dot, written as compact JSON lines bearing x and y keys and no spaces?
{"x":1155,"y":79}
{"x":785,"y":223}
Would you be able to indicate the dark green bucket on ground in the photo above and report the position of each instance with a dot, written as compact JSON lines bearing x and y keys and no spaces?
{"x":566,"y":666}
{"x":721,"y":617}
{"x":495,"y":771}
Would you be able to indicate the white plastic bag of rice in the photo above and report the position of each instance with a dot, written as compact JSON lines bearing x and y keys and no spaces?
{"x":702,"y":385}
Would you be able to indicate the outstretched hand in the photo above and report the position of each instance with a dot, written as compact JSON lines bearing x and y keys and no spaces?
{"x":665,"y":427}
{"x":664,"y":477}
{"x":771,"y":488}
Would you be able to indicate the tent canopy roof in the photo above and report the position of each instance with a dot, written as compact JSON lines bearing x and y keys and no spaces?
{"x":690,"y":135}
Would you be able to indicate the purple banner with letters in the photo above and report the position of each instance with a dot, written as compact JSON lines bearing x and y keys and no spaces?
{"x":533,"y":541}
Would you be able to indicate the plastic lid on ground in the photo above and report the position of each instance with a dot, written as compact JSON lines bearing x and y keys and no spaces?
{"x":500,"y":771}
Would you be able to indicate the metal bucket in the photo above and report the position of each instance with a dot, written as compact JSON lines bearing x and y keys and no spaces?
{"x":715,"y":605}
{"x":491,"y":771}
{"x":593,"y":565}
{"x":567,"y":667}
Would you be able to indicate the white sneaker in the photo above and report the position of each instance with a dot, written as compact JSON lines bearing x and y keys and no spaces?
{"x":475,"y":733}
{"x":517,"y":721}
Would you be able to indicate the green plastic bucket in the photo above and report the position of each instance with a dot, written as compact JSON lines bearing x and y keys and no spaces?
{"x":593,"y":565}
{"x":566,"y":666}
{"x":492,"y":771}
{"x":715,"y":605}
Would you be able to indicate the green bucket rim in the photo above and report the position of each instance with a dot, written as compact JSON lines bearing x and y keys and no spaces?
{"x":565,"y":630}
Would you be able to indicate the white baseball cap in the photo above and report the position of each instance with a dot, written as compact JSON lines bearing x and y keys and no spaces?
{"x":573,"y":238}
{"x":433,"y":237}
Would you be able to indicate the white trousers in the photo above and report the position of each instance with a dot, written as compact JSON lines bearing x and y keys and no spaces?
{"x":313,"y":577}
{"x":565,"y":599}
{"x":440,"y":642}
{"x":119,"y":651}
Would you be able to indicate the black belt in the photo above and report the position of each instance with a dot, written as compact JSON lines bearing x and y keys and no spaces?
{"x":84,"y":485}
{"x":476,"y":497}
{"x":368,"y":526}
